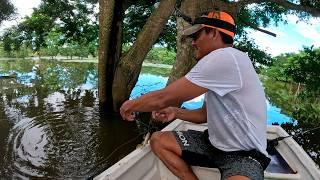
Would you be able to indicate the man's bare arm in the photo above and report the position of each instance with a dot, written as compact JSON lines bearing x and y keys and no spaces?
{"x":177,"y":92}
{"x":195,"y":116}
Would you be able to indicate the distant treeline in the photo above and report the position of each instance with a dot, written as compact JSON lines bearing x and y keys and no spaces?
{"x":69,"y":51}
{"x":157,"y":55}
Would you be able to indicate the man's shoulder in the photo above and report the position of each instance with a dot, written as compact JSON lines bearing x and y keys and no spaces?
{"x":231,"y":50}
{"x":222,"y":55}
{"x":225,"y":52}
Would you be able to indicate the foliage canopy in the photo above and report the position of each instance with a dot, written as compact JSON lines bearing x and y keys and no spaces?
{"x":303,"y":68}
{"x":7,"y":10}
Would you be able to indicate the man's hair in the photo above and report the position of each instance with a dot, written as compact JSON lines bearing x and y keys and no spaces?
{"x":225,"y":38}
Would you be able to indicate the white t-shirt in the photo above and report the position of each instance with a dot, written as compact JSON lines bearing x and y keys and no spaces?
{"x":236,"y":103}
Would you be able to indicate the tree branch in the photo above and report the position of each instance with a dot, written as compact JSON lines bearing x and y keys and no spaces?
{"x":246,"y":2}
{"x":286,"y":4}
{"x":311,"y":10}
{"x":129,"y":67}
{"x":259,"y":29}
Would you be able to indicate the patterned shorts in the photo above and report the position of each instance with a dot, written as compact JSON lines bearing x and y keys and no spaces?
{"x":198,"y":151}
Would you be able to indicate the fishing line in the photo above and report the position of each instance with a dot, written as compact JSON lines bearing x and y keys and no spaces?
{"x":138,"y":119}
{"x":303,"y":132}
{"x":272,"y":143}
{"x":109,"y":157}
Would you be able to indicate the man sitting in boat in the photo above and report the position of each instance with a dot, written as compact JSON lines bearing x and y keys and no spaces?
{"x":234,"y":108}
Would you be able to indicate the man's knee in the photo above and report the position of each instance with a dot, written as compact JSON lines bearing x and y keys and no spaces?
{"x":238,"y":178}
{"x":164,"y":141}
{"x":158,"y":140}
{"x":155,"y":140}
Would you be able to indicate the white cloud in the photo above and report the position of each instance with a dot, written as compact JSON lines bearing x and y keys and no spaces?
{"x":292,"y":18}
{"x":310,"y":33}
{"x":309,"y":30}
{"x":291,"y":37}
{"x":295,"y":19}
{"x":273,"y":45}
{"x":24,"y":8}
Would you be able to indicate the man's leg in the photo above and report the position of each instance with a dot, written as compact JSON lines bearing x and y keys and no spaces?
{"x":165,"y":146}
{"x":240,"y":168}
{"x":238,"y":178}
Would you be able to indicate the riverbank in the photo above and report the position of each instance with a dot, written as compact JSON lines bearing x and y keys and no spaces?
{"x":90,"y":60}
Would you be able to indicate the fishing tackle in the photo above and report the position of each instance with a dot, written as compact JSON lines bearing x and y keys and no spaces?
{"x":272,"y":143}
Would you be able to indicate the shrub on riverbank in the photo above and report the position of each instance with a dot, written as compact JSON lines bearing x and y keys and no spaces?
{"x":293,"y":84}
{"x":161,"y":55}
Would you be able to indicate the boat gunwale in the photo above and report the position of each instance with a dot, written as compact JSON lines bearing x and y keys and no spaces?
{"x":288,"y":144}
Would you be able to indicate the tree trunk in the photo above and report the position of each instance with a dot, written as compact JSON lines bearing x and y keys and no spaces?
{"x":185,"y":59}
{"x":129,"y":67}
{"x":117,"y":77}
{"x":110,"y":44}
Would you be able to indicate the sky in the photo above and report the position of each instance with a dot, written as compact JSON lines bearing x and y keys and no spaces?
{"x":291,"y":37}
{"x":24,"y":7}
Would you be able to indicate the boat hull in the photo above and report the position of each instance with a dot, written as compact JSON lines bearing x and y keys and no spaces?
{"x":142,"y":164}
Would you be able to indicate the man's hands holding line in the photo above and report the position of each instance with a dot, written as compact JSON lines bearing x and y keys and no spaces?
{"x":127,"y":112}
{"x":165,"y":115}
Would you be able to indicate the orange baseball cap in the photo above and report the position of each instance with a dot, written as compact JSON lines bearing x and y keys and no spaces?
{"x":220,"y":20}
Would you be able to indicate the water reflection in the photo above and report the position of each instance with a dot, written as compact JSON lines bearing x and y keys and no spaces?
{"x":51,"y":126}
{"x":304,"y":109}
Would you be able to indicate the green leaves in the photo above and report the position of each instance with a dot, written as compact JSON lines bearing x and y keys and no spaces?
{"x":135,"y":17}
{"x":71,"y":22}
{"x":259,"y":58}
{"x":305,"y":68}
{"x":7,"y":10}
{"x":298,"y":96}
{"x":160,"y":55}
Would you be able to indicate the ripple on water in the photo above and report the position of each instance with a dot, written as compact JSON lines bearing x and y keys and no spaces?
{"x":27,"y":142}
{"x":64,"y":142}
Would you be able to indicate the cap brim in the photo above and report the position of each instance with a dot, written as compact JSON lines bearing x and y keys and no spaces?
{"x":193,"y":29}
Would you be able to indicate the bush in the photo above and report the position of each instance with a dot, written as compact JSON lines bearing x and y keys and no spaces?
{"x":160,"y":55}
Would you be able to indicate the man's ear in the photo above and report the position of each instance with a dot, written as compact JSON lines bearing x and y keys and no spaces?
{"x":214,"y":33}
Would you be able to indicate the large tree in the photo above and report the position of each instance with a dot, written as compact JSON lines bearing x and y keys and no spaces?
{"x":7,"y":10}
{"x":118,"y":72}
{"x":74,"y":20}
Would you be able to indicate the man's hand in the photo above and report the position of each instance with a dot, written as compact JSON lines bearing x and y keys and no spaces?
{"x":126,"y":112}
{"x":165,"y":115}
